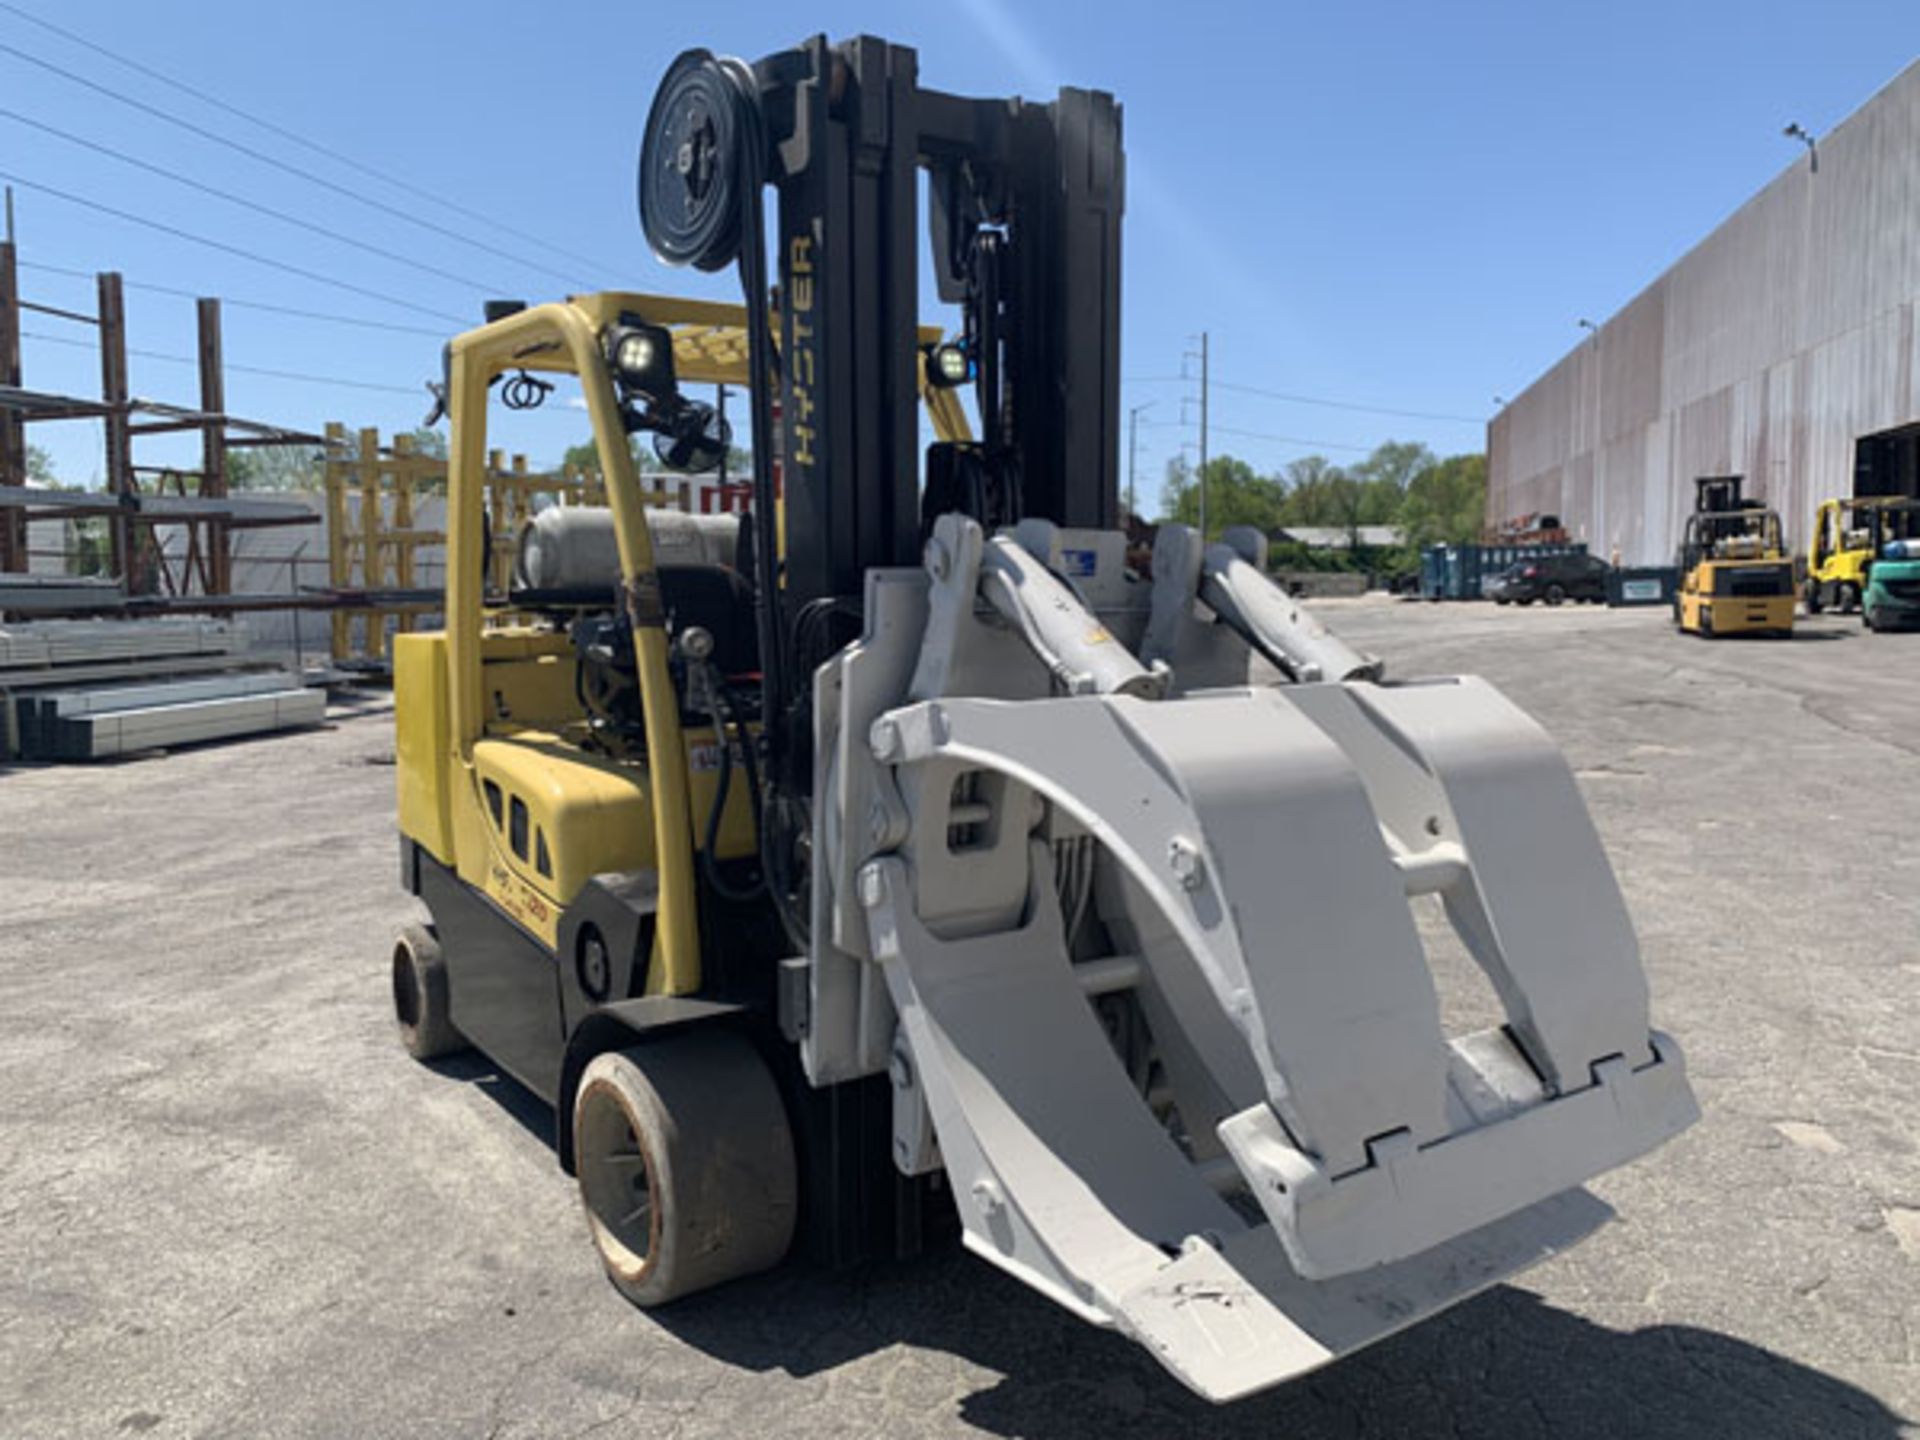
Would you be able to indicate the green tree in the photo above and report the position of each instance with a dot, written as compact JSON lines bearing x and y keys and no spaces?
{"x":39,"y":465}
{"x":1393,"y":465}
{"x":276,"y":467}
{"x":1446,"y":503}
{"x":586,"y":456}
{"x":1236,"y":495}
{"x":1318,"y":492}
{"x":428,"y":441}
{"x":1383,"y":479}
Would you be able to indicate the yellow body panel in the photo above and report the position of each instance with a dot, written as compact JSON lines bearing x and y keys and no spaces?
{"x":488,"y":703}
{"x":1841,"y":553}
{"x":1703,"y":612}
{"x":585,"y":813}
{"x":547,"y":819}
{"x":421,"y":724}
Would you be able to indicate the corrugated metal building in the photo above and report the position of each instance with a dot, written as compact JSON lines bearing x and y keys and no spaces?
{"x":1781,"y":348}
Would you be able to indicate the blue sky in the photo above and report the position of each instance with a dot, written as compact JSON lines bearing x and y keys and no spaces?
{"x":1393,"y":205}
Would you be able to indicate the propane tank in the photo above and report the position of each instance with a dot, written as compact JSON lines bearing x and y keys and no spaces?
{"x":568,"y":547}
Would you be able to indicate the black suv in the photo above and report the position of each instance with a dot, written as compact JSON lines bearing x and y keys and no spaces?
{"x":1551,"y":578}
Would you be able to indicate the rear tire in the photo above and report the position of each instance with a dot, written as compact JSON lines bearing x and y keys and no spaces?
{"x":422,"y":1001}
{"x":1556,"y":594}
{"x":1813,"y":597}
{"x":685,"y":1164}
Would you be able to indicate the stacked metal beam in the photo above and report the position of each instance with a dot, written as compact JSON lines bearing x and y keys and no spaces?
{"x":98,"y":733}
{"x":87,"y":689}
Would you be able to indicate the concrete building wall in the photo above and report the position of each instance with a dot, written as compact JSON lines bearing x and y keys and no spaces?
{"x":1766,"y":351}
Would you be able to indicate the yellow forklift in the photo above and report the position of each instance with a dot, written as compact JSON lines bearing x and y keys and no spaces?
{"x":897,"y":856}
{"x":1736,"y":577}
{"x":1842,"y":549}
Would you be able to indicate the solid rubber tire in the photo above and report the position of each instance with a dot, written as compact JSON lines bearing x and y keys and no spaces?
{"x":722,"y":1185}
{"x":421,"y":997}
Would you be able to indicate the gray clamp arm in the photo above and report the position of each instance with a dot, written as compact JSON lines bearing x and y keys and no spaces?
{"x":1235,"y":585}
{"x":1067,"y":637}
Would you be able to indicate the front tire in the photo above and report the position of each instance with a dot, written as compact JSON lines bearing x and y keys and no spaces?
{"x":685,"y":1164}
{"x":1813,"y":597}
{"x":422,"y":1001}
{"x":1556,"y":594}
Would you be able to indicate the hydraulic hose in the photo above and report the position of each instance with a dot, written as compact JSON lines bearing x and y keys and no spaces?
{"x":701,"y":190}
{"x":724,"y":718}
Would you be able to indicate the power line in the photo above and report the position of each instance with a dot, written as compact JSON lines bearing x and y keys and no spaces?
{"x":1292,"y":439}
{"x":315,"y":146}
{"x":254,"y":205}
{"x":222,"y":245}
{"x":340,"y":380}
{"x":1348,"y":405}
{"x":1303,"y":399}
{"x":263,"y":158}
{"x":325,"y":315}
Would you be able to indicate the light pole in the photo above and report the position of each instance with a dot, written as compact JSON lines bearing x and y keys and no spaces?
{"x":1599,"y":501}
{"x":1133,"y":448}
{"x":1797,"y":131}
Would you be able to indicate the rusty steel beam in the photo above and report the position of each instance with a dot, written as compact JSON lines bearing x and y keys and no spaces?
{"x":39,"y":309}
{"x":213,"y":445}
{"x":114,"y":394}
{"x":13,"y":431}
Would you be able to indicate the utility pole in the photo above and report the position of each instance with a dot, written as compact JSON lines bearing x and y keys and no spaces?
{"x":1202,"y":436}
{"x":13,"y":430}
{"x":1203,"y":431}
{"x":1133,"y":448}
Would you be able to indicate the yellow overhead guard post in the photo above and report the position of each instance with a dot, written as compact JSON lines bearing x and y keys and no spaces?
{"x":709,"y":347}
{"x":566,"y":337}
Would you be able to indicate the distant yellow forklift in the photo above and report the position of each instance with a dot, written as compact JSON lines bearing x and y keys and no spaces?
{"x":1736,"y":577}
{"x":1842,"y":550}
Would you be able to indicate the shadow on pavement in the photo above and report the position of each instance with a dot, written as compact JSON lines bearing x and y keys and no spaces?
{"x":1505,"y":1365}
{"x":470,"y":1067}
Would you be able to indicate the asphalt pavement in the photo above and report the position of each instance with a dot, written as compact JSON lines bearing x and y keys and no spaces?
{"x":231,"y":1206}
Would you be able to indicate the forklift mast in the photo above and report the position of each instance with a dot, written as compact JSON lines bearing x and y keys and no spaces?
{"x":1714,"y":494}
{"x":1025,"y":207}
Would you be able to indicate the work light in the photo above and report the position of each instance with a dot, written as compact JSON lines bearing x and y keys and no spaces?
{"x":948,"y":365}
{"x":635,"y":355}
{"x":641,"y":356}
